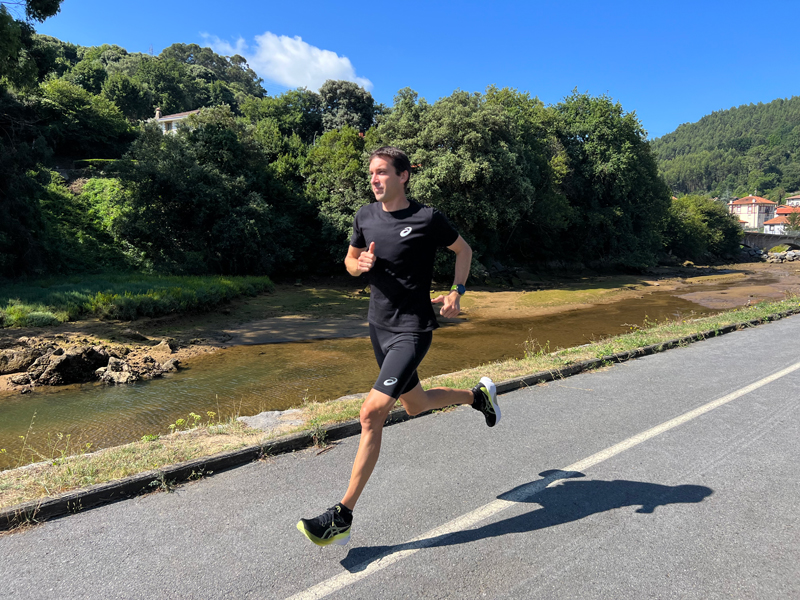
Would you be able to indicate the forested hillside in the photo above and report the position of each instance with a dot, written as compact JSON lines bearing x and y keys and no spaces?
{"x":269,"y":184}
{"x":749,"y":149}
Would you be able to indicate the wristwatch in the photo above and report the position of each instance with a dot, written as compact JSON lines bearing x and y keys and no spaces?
{"x":459,"y":288}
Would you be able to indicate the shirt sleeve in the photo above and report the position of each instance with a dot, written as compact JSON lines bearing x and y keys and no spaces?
{"x":444,"y":233}
{"x":357,"y":239}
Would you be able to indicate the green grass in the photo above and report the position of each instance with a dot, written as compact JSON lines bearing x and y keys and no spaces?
{"x":51,"y":301}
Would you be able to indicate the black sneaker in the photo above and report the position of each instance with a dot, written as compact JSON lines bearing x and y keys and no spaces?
{"x":486,"y":401}
{"x":331,"y":527}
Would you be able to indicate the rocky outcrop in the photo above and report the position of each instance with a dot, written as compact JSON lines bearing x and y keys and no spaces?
{"x":753,"y":253}
{"x":782,"y":257}
{"x":19,"y":359}
{"x":119,"y":372}
{"x":75,"y":365}
{"x":81,"y":364}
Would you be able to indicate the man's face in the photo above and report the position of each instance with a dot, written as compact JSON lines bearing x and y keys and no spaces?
{"x":386,"y":184}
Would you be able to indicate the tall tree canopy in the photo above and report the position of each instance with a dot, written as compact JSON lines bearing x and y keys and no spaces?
{"x":618,"y":200}
{"x":346,"y":103}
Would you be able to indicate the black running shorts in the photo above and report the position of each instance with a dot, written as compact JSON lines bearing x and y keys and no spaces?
{"x":398,"y":356}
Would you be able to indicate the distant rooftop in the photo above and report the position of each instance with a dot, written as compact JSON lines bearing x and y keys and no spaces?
{"x":176,"y":116}
{"x":753,"y":200}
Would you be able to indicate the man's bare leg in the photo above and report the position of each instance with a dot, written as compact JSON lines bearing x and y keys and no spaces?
{"x":373,"y":415}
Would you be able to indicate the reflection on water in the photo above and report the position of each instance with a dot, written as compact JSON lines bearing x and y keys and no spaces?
{"x":250,"y":379}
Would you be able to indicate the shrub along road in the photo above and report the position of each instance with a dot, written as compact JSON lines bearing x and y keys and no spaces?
{"x":627,"y":482}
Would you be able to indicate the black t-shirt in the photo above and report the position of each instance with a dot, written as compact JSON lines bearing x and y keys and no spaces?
{"x":405,"y":246}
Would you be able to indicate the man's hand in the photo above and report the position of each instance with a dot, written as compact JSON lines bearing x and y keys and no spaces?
{"x":451,"y":304}
{"x":366,"y":259}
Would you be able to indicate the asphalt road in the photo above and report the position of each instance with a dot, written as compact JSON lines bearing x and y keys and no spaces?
{"x":563,"y":499}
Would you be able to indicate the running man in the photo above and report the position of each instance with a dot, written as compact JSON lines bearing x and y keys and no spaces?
{"x":394,"y":241}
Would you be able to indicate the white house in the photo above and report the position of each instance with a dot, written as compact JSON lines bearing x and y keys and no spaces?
{"x":793,"y":200}
{"x":169,"y":123}
{"x":776,"y":225}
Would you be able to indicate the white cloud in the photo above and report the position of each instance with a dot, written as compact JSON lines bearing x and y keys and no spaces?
{"x":290,"y":62}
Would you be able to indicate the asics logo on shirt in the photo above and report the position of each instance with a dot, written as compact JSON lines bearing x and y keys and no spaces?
{"x":391,"y":380}
{"x":405,"y":232}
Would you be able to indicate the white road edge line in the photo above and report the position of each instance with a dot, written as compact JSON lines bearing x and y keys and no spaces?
{"x":398,"y":553}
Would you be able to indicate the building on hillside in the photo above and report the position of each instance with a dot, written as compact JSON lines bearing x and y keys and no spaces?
{"x":753,"y":210}
{"x":785,"y":210}
{"x":776,"y":225}
{"x":793,"y":200}
{"x":779,"y":223}
{"x":169,"y":123}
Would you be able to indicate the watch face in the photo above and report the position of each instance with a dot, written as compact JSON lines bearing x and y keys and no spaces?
{"x":459,"y":288}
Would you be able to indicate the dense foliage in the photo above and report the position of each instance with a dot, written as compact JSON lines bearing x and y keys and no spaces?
{"x":260,"y":184}
{"x":749,"y":149}
{"x":698,"y":226}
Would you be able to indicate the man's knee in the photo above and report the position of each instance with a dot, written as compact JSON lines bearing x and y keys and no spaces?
{"x":375,"y":410}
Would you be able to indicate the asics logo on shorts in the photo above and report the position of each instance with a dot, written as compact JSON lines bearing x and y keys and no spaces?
{"x":405,"y":232}
{"x":390,"y":381}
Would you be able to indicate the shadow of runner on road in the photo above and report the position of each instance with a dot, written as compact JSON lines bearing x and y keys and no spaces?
{"x":562,"y":503}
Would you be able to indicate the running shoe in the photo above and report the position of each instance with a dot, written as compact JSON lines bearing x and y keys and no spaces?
{"x":486,"y":401}
{"x":331,"y":527}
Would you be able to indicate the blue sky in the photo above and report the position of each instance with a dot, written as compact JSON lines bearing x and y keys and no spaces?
{"x":669,"y":62}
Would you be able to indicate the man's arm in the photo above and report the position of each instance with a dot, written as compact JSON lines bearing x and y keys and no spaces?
{"x":452,"y":301}
{"x":359,"y":260}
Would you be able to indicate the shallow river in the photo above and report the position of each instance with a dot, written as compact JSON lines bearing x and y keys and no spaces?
{"x":246,"y":380}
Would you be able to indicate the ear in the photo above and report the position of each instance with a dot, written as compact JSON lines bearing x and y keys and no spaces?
{"x":404,"y":176}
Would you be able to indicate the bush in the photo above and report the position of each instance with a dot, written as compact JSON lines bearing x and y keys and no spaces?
{"x":697,"y":225}
{"x":42,"y":319}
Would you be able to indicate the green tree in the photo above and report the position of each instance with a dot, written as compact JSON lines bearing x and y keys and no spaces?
{"x":346,"y":103}
{"x":697,"y":226}
{"x":52,"y":56}
{"x":473,"y":161}
{"x":232,"y":70}
{"x":293,"y":112}
{"x":618,"y":200}
{"x":224,"y":214}
{"x":544,"y":164}
{"x":337,"y":183}
{"x":173,"y":89}
{"x":129,"y":95}
{"x":16,"y":39}
{"x":79,"y":124}
{"x":89,"y":74}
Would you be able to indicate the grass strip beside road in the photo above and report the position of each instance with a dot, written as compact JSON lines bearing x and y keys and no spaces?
{"x":60,"y":474}
{"x":47,"y":302}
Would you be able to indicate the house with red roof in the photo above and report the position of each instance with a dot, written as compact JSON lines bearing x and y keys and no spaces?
{"x":778,"y":224}
{"x":793,"y":200}
{"x":754,"y":211}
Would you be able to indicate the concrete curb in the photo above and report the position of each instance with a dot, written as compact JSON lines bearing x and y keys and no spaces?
{"x":96,"y":495}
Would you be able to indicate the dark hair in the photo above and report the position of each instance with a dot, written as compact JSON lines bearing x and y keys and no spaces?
{"x":399,"y":160}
